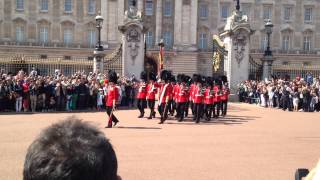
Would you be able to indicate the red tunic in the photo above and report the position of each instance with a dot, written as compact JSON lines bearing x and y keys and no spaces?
{"x":112,"y":94}
{"x":151,"y":91}
{"x":169,"y":91}
{"x":217,"y":97}
{"x":225,"y":95}
{"x":176,"y":92}
{"x":208,"y":96}
{"x":142,"y":91}
{"x":191,"y":92}
{"x":183,"y":94}
{"x":198,"y":96}
{"x":165,"y":92}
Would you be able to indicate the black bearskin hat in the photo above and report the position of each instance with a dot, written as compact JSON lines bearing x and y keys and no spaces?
{"x":143,"y":76}
{"x":224,"y":79}
{"x":180,"y":78}
{"x":209,"y":81}
{"x":172,"y":78}
{"x":165,"y":75}
{"x":152,"y":76}
{"x":197,"y":78}
{"x":112,"y":76}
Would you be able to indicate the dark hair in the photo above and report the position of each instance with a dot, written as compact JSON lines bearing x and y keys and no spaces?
{"x":70,"y":150}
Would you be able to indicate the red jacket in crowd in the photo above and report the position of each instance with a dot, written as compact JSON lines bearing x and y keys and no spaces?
{"x":142,"y":91}
{"x":208,"y":96}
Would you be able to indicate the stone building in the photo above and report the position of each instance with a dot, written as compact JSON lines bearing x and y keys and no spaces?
{"x":66,"y":29}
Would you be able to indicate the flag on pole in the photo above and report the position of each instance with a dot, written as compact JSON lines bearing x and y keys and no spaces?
{"x":161,"y":58}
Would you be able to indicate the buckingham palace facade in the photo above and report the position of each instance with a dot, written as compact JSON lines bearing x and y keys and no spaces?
{"x":66,"y":29}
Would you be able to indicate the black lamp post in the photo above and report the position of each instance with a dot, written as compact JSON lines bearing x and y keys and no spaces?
{"x":268,"y":26}
{"x":267,"y":59}
{"x":99,"y":22}
{"x":98,"y":53}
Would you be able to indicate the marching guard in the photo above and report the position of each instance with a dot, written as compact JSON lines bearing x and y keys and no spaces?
{"x":225,"y":98}
{"x":182,"y":97}
{"x":111,"y":98}
{"x":198,"y":99}
{"x":142,"y":94}
{"x":208,"y":98}
{"x":151,"y":94}
{"x":164,"y":95}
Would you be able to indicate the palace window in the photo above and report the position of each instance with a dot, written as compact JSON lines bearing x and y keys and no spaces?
{"x":91,"y":38}
{"x":245,"y":8}
{"x":202,"y":41}
{"x":43,"y":34}
{"x":130,"y":3}
{"x":44,"y":5}
{"x":149,"y":8}
{"x":307,"y":43}
{"x":19,"y":33}
{"x":267,"y":12}
{"x":167,"y":39}
{"x":285,"y":42}
{"x":287,"y":13}
{"x":149,"y":39}
{"x":264,"y":42}
{"x":224,"y":11}
{"x":19,"y":4}
{"x":167,"y":8}
{"x":308,"y":14}
{"x":67,"y":36}
{"x":91,"y":7}
{"x":203,"y":10}
{"x":68,"y":5}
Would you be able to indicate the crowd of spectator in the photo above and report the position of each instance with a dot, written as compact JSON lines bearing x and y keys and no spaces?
{"x":299,"y":94}
{"x":23,"y":92}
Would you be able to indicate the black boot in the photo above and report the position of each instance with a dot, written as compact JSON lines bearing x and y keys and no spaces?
{"x":141,"y":115}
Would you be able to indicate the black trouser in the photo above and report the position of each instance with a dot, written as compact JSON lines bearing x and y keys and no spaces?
{"x":172,"y":106}
{"x":163,"y":111}
{"x":141,"y":103}
{"x":224,"y":108}
{"x":151,"y":103}
{"x":186,"y":109}
{"x":208,"y":110}
{"x":181,"y":110}
{"x":197,"y":111}
{"x":217,"y":108}
{"x":285,"y":103}
{"x":113,"y":117}
{"x":192,"y":108}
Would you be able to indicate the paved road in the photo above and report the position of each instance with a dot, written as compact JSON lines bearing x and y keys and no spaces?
{"x":250,"y":143}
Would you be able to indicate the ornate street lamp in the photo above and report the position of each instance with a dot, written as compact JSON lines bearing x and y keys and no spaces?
{"x":268,"y":27}
{"x":98,"y":53}
{"x":267,"y":59}
{"x":99,"y":22}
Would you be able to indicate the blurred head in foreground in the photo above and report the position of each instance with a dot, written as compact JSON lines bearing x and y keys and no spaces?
{"x":71,"y":150}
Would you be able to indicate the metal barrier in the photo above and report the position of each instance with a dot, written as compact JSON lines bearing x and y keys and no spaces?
{"x":45,"y":66}
{"x":296,"y":70}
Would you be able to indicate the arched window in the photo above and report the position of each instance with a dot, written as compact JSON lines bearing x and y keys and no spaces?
{"x":20,"y":33}
{"x":149,"y":8}
{"x":286,"y":40}
{"x":149,"y":39}
{"x":91,"y":37}
{"x":307,"y":40}
{"x":44,"y":34}
{"x":203,"y":42}
{"x":167,"y":39}
{"x":67,"y":36}
{"x":167,"y":8}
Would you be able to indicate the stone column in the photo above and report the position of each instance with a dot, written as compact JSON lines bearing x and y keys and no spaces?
{"x":158,"y":22}
{"x":120,"y":18}
{"x":177,"y":22}
{"x":104,"y":14}
{"x":267,"y":62}
{"x":194,"y":22}
{"x":98,"y":61}
{"x":140,"y":5}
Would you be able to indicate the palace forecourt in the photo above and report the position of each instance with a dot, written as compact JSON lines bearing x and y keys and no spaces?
{"x":249,"y":143}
